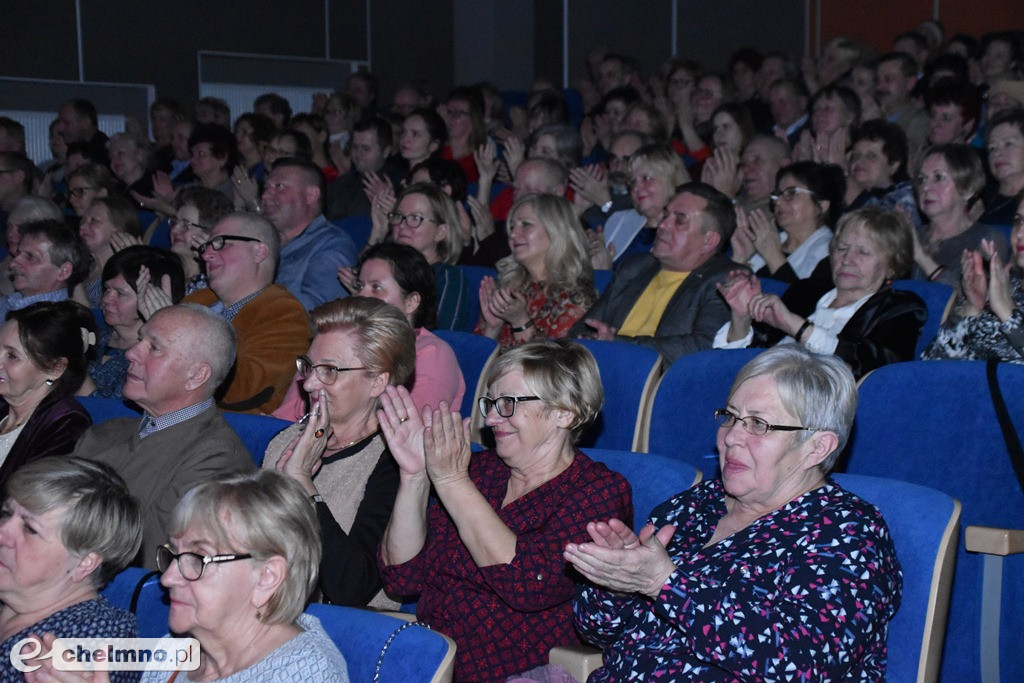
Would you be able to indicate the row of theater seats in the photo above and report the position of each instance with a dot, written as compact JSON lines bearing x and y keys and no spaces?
{"x":926,"y":423}
{"x":925,"y":434}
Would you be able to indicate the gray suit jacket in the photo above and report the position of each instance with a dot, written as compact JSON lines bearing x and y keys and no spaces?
{"x":692,"y":316}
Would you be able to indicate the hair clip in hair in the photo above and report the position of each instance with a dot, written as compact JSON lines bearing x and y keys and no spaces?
{"x":88,"y":339}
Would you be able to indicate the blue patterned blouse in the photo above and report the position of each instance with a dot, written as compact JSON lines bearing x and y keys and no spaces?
{"x":805,"y":593}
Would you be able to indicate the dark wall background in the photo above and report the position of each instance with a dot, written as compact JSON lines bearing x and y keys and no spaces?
{"x":706,"y":31}
{"x":156,"y":41}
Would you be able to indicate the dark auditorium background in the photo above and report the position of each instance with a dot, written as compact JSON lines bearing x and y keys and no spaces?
{"x":442,"y":41}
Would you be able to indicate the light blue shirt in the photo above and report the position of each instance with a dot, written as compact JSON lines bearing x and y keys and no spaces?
{"x":309,"y":263}
{"x":16,"y":302}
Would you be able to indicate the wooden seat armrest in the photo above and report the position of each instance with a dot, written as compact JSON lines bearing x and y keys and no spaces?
{"x":579,"y":660}
{"x":994,"y":541}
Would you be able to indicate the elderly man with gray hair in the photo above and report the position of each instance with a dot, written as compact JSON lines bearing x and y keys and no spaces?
{"x":270,"y":324}
{"x":184,"y":352}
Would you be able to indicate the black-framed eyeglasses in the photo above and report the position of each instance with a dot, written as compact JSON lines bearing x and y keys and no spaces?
{"x":218,"y":242}
{"x":753,"y":425}
{"x":188,"y":225}
{"x":79,"y":192}
{"x":192,"y":565}
{"x":505,"y":406}
{"x":789,"y":194}
{"x":413,"y":220}
{"x":326,"y":373}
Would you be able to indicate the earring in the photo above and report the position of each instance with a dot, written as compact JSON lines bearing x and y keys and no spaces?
{"x":49,"y":382}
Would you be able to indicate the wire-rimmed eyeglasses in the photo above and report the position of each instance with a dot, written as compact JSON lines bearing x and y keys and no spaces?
{"x":325,"y":372}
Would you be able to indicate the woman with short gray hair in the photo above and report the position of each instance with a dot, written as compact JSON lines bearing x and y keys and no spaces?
{"x":772,"y":565}
{"x":67,"y":526}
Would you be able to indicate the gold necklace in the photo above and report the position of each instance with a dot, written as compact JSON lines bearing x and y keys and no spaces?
{"x":353,"y":443}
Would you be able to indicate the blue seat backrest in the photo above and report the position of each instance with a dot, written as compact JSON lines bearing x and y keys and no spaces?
{"x":922,"y":522}
{"x":682,"y":422}
{"x":601,"y":280}
{"x":473,"y":351}
{"x":255,"y":431}
{"x":414,"y":654}
{"x":653,"y":478}
{"x":772,"y":286}
{"x":152,"y":608}
{"x":625,"y":371}
{"x":935,"y":295}
{"x":932,"y":423}
{"x":161,"y":236}
{"x":103,"y":409}
{"x":356,"y":227}
{"x":474,"y":275}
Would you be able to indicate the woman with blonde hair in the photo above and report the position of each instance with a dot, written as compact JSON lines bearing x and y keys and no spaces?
{"x":546,"y":284}
{"x":361,"y":347}
{"x":655,"y":172}
{"x":239,"y":567}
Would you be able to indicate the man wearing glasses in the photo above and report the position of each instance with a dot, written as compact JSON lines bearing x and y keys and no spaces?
{"x":668,"y":299}
{"x":312,"y":249}
{"x":271,"y":325}
{"x":182,"y":356}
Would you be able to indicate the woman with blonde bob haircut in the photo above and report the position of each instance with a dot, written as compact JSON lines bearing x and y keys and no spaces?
{"x":239,"y":568}
{"x":547,"y":283}
{"x":489,"y":542}
{"x":655,"y":171}
{"x":362,"y":346}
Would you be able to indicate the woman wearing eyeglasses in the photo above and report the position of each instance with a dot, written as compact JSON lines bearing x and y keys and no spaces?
{"x":239,"y":568}
{"x":86,"y":183}
{"x":197,"y":210}
{"x":808,"y":198}
{"x":771,"y":569}
{"x":862,"y":319}
{"x":485,"y":556}
{"x":339,"y":457}
{"x":425,"y":218}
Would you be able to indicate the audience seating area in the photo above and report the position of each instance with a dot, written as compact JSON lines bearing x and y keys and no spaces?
{"x":930,"y":424}
{"x":933,"y":423}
